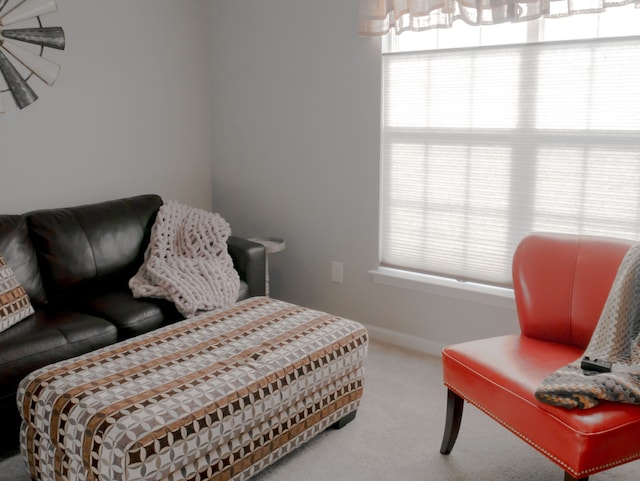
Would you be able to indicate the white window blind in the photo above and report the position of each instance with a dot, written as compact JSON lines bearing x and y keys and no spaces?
{"x":483,"y":145}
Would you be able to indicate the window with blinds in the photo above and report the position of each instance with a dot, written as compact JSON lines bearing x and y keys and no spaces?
{"x":482,"y":145}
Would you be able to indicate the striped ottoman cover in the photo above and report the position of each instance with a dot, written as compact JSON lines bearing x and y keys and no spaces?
{"x":219,"y":396}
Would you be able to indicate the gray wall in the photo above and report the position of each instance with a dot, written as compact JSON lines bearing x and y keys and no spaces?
{"x":266,"y":111}
{"x":296,"y":155}
{"x":129,"y":113}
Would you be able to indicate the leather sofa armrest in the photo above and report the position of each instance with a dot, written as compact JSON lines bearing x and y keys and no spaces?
{"x":249,"y":260}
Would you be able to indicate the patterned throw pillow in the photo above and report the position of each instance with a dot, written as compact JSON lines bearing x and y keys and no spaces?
{"x":14,"y":301}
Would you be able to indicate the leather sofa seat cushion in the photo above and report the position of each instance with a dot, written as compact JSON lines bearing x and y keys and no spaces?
{"x":47,"y":337}
{"x":41,"y":339}
{"x":16,"y":248}
{"x":131,"y":316}
{"x":88,"y":247}
{"x":507,"y":370}
{"x":243,"y":292}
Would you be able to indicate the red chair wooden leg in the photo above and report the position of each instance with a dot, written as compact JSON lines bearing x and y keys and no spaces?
{"x":455,"y":406}
{"x":569,"y":477}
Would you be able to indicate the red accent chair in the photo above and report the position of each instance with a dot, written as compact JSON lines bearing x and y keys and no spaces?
{"x":561,"y":283}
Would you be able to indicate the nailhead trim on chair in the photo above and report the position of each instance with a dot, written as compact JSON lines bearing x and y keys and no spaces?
{"x":541,"y":449}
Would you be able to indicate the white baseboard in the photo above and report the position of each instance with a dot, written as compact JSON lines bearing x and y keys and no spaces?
{"x":405,"y":341}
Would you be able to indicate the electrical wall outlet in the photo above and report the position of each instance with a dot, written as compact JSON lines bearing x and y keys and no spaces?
{"x":336,"y":272}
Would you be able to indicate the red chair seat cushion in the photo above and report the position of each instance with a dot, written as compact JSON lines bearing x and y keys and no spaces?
{"x":500,"y":375}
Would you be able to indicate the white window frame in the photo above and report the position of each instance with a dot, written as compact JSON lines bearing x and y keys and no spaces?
{"x":444,"y":286}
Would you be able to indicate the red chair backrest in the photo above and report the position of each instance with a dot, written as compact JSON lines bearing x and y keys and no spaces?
{"x":561,"y":283}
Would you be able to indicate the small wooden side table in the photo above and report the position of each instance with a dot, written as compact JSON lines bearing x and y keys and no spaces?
{"x":271,"y":246}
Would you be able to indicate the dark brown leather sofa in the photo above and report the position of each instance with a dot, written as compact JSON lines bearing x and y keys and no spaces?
{"x":75,"y":264}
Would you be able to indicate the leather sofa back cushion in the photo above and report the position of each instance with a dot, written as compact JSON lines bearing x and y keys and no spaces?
{"x":90,"y":246}
{"x":17,"y":250}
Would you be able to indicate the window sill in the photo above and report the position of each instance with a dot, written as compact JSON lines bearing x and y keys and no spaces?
{"x":442,"y":286}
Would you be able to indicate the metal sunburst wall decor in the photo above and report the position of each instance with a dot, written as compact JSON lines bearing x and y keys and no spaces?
{"x":23,"y":39}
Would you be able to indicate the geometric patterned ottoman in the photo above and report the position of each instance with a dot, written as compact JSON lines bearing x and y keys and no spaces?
{"x":219,"y":396}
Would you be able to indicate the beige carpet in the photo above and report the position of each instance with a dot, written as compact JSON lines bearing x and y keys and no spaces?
{"x":396,"y":437}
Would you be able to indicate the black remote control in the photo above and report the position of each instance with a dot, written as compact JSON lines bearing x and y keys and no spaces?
{"x":597,"y":365}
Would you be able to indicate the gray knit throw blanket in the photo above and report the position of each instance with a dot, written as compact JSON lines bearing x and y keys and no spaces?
{"x":187,"y":261}
{"x":615,"y":339}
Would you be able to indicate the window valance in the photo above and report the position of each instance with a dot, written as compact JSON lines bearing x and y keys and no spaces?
{"x":377,"y":17}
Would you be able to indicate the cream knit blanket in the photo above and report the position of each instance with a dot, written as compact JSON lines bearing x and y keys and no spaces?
{"x":187,"y":261}
{"x":615,"y":339}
